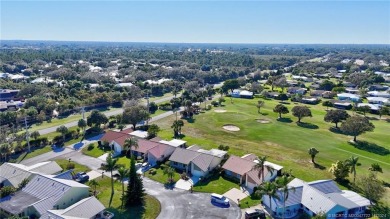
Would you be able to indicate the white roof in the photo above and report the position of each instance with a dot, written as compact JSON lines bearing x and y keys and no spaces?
{"x":246,"y":93}
{"x":273,"y":166}
{"x":124,"y":84}
{"x":139,"y":133}
{"x":160,"y":81}
{"x":348,"y":95}
{"x":41,"y":80}
{"x":85,"y":208}
{"x":358,"y":199}
{"x":378,"y":93}
{"x":174,"y":142}
{"x":372,"y":106}
{"x":381,"y":99}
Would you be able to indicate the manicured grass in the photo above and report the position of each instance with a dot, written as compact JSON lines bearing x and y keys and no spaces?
{"x":34,"y":153}
{"x":284,"y":142}
{"x":215,"y":184}
{"x":160,"y":177}
{"x":249,"y":202}
{"x":149,"y":210}
{"x":77,"y":167}
{"x":93,"y":150}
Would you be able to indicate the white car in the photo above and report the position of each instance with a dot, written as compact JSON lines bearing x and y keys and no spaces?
{"x":220,"y":199}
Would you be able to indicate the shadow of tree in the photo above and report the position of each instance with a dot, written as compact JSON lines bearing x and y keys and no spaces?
{"x":319,"y":166}
{"x":190,"y":120}
{"x":387,"y":120}
{"x":285,"y":120}
{"x":264,"y":114}
{"x":284,"y":102}
{"x":370,"y":147}
{"x":336,"y":130}
{"x":372,"y":118}
{"x":307,"y":125}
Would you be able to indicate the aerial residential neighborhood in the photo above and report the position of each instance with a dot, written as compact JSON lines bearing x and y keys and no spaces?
{"x":195,"y":109}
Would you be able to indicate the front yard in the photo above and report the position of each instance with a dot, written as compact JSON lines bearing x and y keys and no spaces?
{"x":93,"y":150}
{"x":215,"y":184}
{"x":65,"y":164}
{"x":150,"y":209}
{"x":157,"y":174}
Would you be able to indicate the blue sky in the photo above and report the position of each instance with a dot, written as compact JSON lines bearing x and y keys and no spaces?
{"x":198,"y":21}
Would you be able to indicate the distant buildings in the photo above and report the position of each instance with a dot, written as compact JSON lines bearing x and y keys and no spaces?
{"x":242,"y":94}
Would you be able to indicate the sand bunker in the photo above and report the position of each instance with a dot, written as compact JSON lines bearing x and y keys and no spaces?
{"x":220,"y":111}
{"x":231,"y":128}
{"x":263,"y":121}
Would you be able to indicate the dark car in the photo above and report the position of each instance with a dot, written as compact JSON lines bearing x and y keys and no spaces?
{"x":82,"y":177}
{"x":254,"y":213}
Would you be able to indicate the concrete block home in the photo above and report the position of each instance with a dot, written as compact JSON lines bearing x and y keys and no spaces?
{"x":348,"y":96}
{"x":242,"y":169}
{"x":242,"y":94}
{"x":317,"y":197}
{"x":196,"y":161}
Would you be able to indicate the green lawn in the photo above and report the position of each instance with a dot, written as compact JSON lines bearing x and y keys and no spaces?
{"x":160,"y":177}
{"x":77,"y":167}
{"x":35,"y":152}
{"x":249,"y":202}
{"x":284,"y":143}
{"x":93,"y":150}
{"x":149,"y":210}
{"x":215,"y":184}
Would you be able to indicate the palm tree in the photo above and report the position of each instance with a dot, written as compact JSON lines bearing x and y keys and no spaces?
{"x":170,"y":172}
{"x":110,"y":166}
{"x":352,"y":163}
{"x":282,"y":183}
{"x":260,"y":166}
{"x":123,"y":173}
{"x":94,"y":184}
{"x":129,"y":143}
{"x":5,"y":149}
{"x":82,"y":124}
{"x":270,"y":189}
{"x":63,"y":130}
{"x":313,"y":152}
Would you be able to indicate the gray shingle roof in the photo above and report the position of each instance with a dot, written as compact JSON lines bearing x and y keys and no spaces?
{"x":183,"y":156}
{"x":203,"y":161}
{"x":85,"y":208}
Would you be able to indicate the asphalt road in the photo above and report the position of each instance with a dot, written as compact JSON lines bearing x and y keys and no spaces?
{"x":108,"y":114}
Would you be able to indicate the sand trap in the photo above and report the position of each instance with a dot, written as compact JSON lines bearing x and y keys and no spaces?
{"x":231,"y":128}
{"x":220,"y":111}
{"x":263,"y":121}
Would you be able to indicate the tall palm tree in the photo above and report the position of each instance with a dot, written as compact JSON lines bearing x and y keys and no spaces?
{"x":352,"y":163}
{"x":170,"y":172}
{"x":123,"y":173}
{"x":313,"y":152}
{"x":129,"y":143}
{"x":282,"y":183}
{"x":260,"y":166}
{"x":270,"y":189}
{"x":110,"y":166}
{"x":94,"y":184}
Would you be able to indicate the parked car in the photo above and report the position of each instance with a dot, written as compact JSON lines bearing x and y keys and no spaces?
{"x":220,"y":199}
{"x":81,"y":177}
{"x":254,"y":213}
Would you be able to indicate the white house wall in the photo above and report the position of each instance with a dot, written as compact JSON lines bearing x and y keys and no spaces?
{"x":74,"y":195}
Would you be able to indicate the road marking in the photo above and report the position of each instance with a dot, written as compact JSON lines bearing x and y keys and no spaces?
{"x":363,"y":156}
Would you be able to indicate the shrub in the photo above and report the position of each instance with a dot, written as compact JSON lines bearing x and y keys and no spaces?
{"x":208,"y":107}
{"x":214,"y":103}
{"x":6,"y":191}
{"x":91,"y":146}
{"x":70,"y":166}
{"x":152,"y":171}
{"x":165,"y":106}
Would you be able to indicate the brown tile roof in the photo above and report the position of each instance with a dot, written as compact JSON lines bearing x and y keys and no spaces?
{"x":238,"y":165}
{"x":112,"y":135}
{"x":158,"y":150}
{"x":156,"y":139}
{"x":127,"y":131}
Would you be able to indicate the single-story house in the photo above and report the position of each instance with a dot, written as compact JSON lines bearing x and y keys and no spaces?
{"x":378,"y":94}
{"x":379,"y":100}
{"x":11,"y":174}
{"x":342,"y":104}
{"x":242,"y":169}
{"x":196,"y":162}
{"x":296,"y":90}
{"x":42,"y":193}
{"x":272,"y":94}
{"x":317,"y":93}
{"x":317,"y":197}
{"x":352,"y":90}
{"x":88,"y":208}
{"x":373,"y":107}
{"x":175,"y":143}
{"x":310,"y":100}
{"x":348,"y":84}
{"x":378,"y":87}
{"x":348,"y":96}
{"x":242,"y":94}
{"x":159,"y":153}
{"x":7,"y":94}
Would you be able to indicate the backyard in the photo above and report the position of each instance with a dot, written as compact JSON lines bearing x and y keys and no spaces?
{"x":283,"y":141}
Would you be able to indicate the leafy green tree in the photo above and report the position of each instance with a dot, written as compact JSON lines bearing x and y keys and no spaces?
{"x":352,"y":162}
{"x":177,"y":125}
{"x":153,"y":130}
{"x":135,"y":114}
{"x":82,"y":124}
{"x":41,"y":117}
{"x":269,"y":189}
{"x":340,"y":170}
{"x":170,"y":172}
{"x":230,"y":84}
{"x":123,"y":173}
{"x":135,"y":190}
{"x":260,"y":167}
{"x":259,"y":104}
{"x":35,"y":135}
{"x":221,"y":100}
{"x":328,"y":104}
{"x":384,"y":110}
{"x":375,"y":167}
{"x":336,"y":116}
{"x":327,"y":85}
{"x":63,"y":130}
{"x":94,"y":184}
{"x":301,"y":112}
{"x":371,"y":187}
{"x":356,"y":125}
{"x":111,"y":166}
{"x":5,"y":150}
{"x":313,"y":152}
{"x":23,"y":184}
{"x":282,"y":184}
{"x":96,"y":118}
{"x":281,"y":109}
{"x":363,"y":109}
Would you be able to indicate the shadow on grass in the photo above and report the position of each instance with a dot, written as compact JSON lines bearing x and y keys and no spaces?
{"x":372,"y":118}
{"x":128,"y":212}
{"x":319,"y":166}
{"x":264,"y":114}
{"x":190,"y":120}
{"x":370,"y":147}
{"x":387,"y":120}
{"x":336,"y":130}
{"x":307,"y":125}
{"x":285,"y":120}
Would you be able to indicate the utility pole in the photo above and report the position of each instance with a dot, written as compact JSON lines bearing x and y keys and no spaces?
{"x":27,"y":134}
{"x":83,"y":112}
